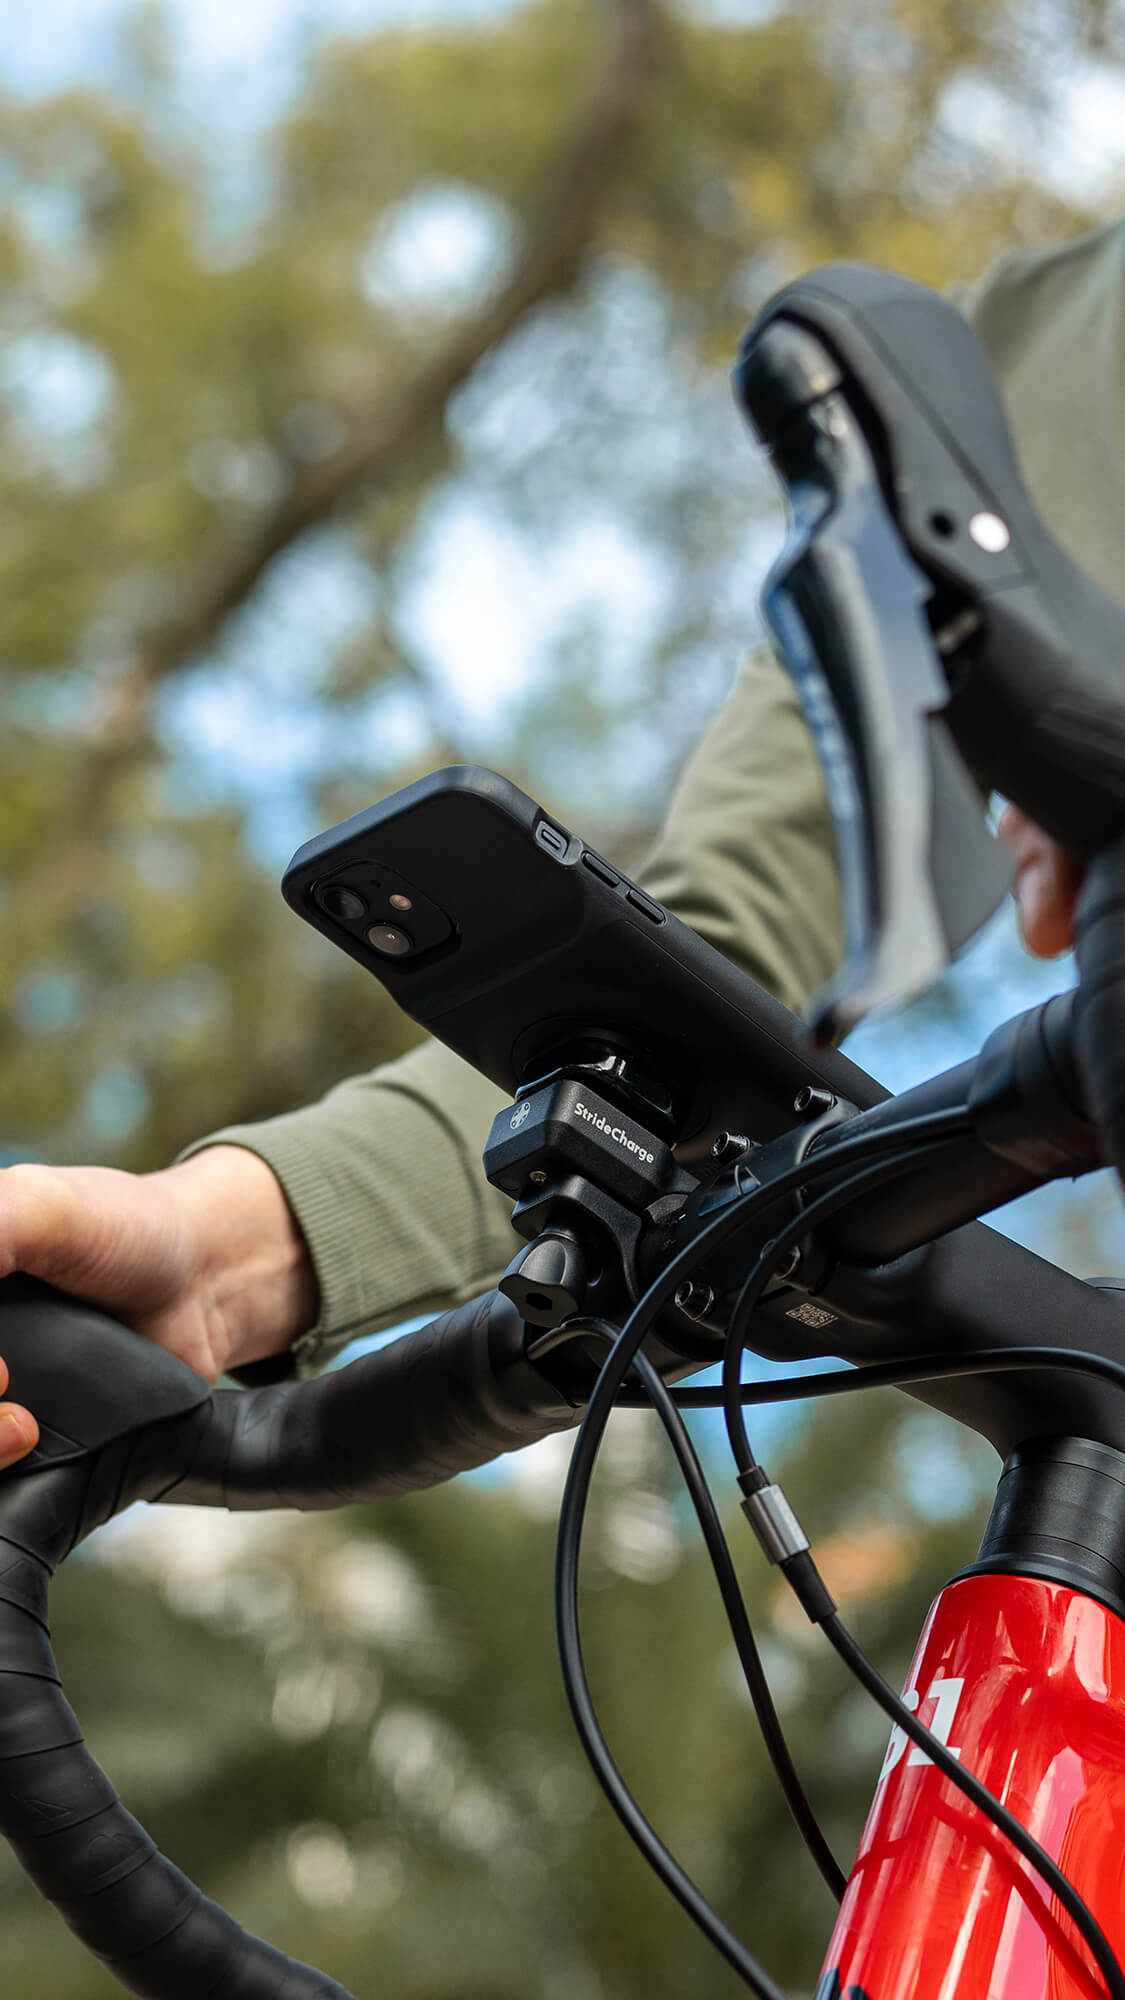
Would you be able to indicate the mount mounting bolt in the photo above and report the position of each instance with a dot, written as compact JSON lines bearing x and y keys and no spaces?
{"x":730,"y":1146}
{"x":811,"y":1101}
{"x":694,"y":1300}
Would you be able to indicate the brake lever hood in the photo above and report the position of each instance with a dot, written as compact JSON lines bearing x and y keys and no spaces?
{"x":943,"y":644}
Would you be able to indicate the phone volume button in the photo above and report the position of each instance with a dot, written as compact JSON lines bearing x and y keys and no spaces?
{"x":646,"y":906}
{"x":600,"y":868}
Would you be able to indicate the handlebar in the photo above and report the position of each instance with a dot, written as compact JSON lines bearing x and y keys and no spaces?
{"x":438,"y":1402}
{"x":121,"y":1421}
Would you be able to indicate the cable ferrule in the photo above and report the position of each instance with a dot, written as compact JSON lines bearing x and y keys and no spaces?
{"x":775,"y":1524}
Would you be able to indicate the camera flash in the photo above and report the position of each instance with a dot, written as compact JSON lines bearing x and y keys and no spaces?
{"x":399,"y":902}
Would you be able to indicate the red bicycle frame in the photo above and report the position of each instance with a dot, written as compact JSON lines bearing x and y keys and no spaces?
{"x":1025,"y":1680}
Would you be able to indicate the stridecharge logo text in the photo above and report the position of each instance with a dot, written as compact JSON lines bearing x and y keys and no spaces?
{"x":617,"y":1132}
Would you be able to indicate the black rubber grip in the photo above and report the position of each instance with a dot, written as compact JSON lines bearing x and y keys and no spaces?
{"x":455,"y":1395}
{"x":1100,"y":1000}
{"x":433,"y":1404}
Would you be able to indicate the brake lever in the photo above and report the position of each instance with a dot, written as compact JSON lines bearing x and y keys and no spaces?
{"x":944,"y":644}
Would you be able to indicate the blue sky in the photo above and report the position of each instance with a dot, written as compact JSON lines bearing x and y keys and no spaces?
{"x":243,"y":59}
{"x":250,"y":42}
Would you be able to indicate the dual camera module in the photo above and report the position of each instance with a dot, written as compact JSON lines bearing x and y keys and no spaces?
{"x":347,"y":906}
{"x":382,"y":911}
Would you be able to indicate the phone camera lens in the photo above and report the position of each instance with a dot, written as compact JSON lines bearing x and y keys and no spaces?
{"x":390,"y":940}
{"x":346,"y":905}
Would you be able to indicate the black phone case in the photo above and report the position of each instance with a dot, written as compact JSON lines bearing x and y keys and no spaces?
{"x":547,"y":941}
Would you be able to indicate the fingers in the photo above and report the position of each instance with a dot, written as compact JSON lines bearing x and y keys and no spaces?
{"x":19,"y":1432}
{"x":1047,"y":882}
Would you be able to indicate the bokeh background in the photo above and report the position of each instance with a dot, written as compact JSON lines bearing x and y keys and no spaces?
{"x":363,"y":403}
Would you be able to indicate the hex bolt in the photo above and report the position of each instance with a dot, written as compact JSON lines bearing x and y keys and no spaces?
{"x":811,"y":1100}
{"x":730,"y":1146}
{"x":694,"y":1299}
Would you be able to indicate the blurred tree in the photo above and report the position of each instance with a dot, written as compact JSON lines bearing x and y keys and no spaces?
{"x":495,"y":278}
{"x":230,"y":444}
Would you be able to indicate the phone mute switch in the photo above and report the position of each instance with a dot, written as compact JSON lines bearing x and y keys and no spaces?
{"x":646,"y":906}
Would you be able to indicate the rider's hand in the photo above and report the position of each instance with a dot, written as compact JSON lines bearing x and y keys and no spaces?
{"x":204,"y":1258}
{"x":1046,"y":885}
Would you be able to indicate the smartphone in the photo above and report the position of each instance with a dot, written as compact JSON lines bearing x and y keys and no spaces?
{"x":503,"y":934}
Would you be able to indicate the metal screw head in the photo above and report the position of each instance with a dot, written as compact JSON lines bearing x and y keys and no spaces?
{"x":730,"y":1146}
{"x":695,"y":1300}
{"x":990,"y":533}
{"x":537,"y":1177}
{"x":811,"y":1101}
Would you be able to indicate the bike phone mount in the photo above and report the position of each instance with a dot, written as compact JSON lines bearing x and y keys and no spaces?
{"x":586,"y":1153}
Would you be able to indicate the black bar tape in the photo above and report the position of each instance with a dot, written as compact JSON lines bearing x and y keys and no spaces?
{"x":454,"y":1395}
{"x":433,"y":1404}
{"x":82,"y":1849}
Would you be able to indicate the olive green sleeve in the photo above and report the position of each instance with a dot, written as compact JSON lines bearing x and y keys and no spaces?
{"x":746,"y":854}
{"x":384,"y":1174}
{"x":1053,"y":322}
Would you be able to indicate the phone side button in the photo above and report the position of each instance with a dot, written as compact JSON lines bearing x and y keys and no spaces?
{"x":646,"y":906}
{"x":553,"y":839}
{"x":600,"y":868}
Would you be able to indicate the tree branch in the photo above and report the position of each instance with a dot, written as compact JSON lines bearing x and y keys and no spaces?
{"x":395,"y":421}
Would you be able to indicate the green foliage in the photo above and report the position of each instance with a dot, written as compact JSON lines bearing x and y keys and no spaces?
{"x":174,"y":374}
